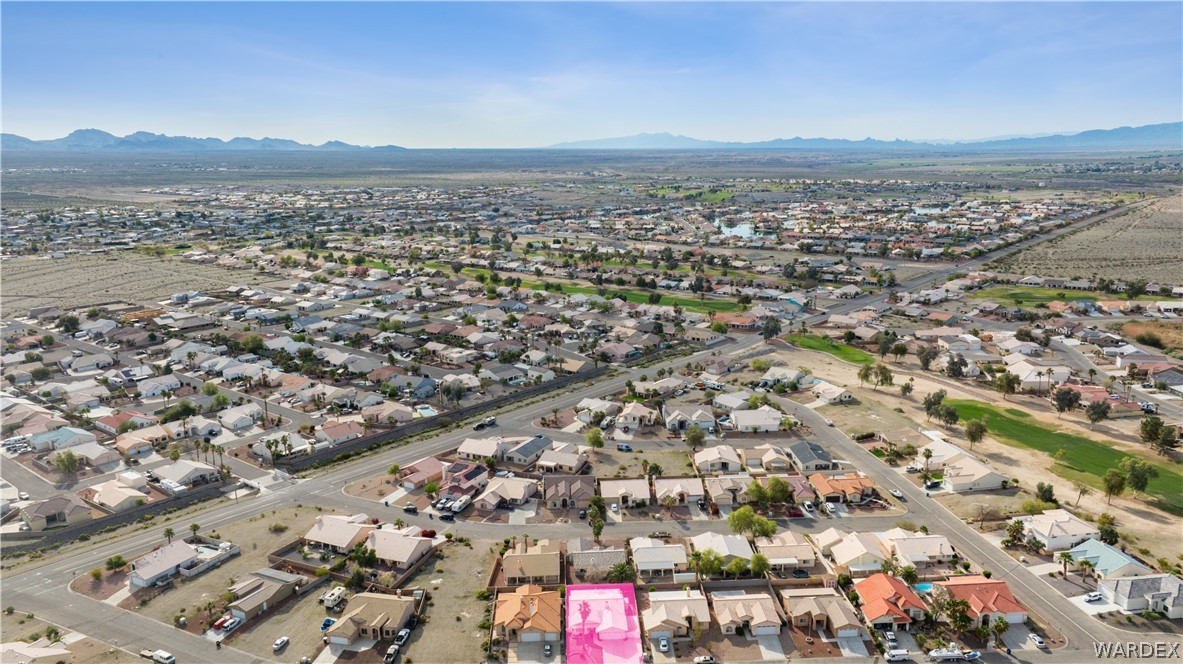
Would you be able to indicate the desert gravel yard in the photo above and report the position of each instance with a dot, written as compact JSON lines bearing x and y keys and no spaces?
{"x":299,"y":619}
{"x":451,"y":632}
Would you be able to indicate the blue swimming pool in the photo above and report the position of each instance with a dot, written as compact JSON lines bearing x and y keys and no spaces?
{"x":924,"y":587}
{"x":425,"y":410}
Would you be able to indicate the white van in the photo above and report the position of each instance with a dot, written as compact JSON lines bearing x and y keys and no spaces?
{"x":897,"y":655}
{"x":163,"y":657}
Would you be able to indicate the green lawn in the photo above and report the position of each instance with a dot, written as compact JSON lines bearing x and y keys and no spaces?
{"x":1032,"y":295}
{"x":1085,"y":459}
{"x":838,"y":350}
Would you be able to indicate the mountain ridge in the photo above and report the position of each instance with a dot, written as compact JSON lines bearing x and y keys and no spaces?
{"x":87,"y":140}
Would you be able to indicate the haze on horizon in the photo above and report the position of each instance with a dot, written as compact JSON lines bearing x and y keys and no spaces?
{"x":534,"y":74}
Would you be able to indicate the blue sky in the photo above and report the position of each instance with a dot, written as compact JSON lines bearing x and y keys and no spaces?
{"x":533,"y":74}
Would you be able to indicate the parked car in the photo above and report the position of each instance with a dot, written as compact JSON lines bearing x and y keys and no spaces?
{"x":972,"y":655}
{"x":897,"y":493}
{"x":280,"y":644}
{"x":410,"y":509}
{"x":660,"y":534}
{"x":800,"y":574}
{"x":233,"y":623}
{"x":478,"y":426}
{"x":933,"y":484}
{"x":413,"y":621}
{"x":1093,"y":597}
{"x":547,"y":649}
{"x":705,"y":659}
{"x":221,"y":622}
{"x":447,"y":516}
{"x":402,"y":636}
{"x":328,"y":622}
{"x":582,"y":514}
{"x":391,"y":654}
{"x":702,"y":504}
{"x":663,"y":645}
{"x":1037,"y":640}
{"x":624,"y":447}
{"x":808,"y":506}
{"x":23,"y":495}
{"x":615,"y":507}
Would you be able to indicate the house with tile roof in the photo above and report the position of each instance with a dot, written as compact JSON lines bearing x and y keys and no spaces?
{"x":533,"y":563}
{"x":568,"y":491}
{"x":528,"y":613}
{"x":1155,"y":592}
{"x":339,"y":533}
{"x":822,"y":610}
{"x":888,"y":603}
{"x":1107,"y":561}
{"x":988,"y":599}
{"x":753,"y":613}
{"x":371,"y":616}
{"x":674,"y":614}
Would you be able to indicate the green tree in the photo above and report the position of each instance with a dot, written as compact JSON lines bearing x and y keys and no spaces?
{"x":1138,"y":473}
{"x":737,"y":566}
{"x":695,"y":437}
{"x":1114,"y":482}
{"x":622,"y":573}
{"x":926,"y":355}
{"x":209,"y":389}
{"x":771,"y":329}
{"x":779,"y":491}
{"x":1065,"y":400}
{"x":1065,"y":558}
{"x":69,"y":323}
{"x":116,"y":563}
{"x":168,"y":533}
{"x":394,"y":469}
{"x":760,"y":564}
{"x":67,"y":462}
{"x":708,"y":562}
{"x":1097,"y":411}
{"x":47,"y":341}
{"x":1167,"y":440}
{"x":758,"y":495}
{"x":431,"y":488}
{"x":909,"y":575}
{"x":193,"y":528}
{"x":595,"y":438}
{"x":975,"y":431}
{"x":1150,"y":429}
{"x":597,"y":526}
{"x":1007,"y":383}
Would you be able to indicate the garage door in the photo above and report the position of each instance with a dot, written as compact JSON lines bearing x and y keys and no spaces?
{"x":767,"y":629}
{"x":848,"y":633}
{"x":530,"y":637}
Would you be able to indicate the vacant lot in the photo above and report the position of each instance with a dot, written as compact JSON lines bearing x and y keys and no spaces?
{"x":127,"y":276}
{"x":452,"y":632}
{"x":1146,"y":243}
{"x":257,"y":536}
{"x":1169,"y":333}
{"x":1085,"y":459}
{"x":1021,"y":295}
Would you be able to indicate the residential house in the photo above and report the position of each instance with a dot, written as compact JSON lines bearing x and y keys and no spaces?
{"x":262,"y":590}
{"x":1162,"y":593}
{"x":528,"y":614}
{"x":682,"y":490}
{"x":464,"y":479}
{"x":787,"y":550}
{"x":988,"y":599}
{"x":184,"y":472}
{"x":847,"y":487}
{"x":831,"y":393}
{"x":729,"y":547}
{"x":860,"y":553}
{"x":742,"y":612}
{"x":564,"y":462}
{"x":591,"y":560}
{"x":810,"y":457}
{"x":728,"y":489}
{"x":399,"y":548}
{"x":161,"y":563}
{"x":479,"y":449}
{"x":526,"y":452}
{"x":1107,"y":561}
{"x":717,"y":459}
{"x":888,"y":603}
{"x":568,"y":491}
{"x":822,"y":610}
{"x":761,"y":420}
{"x":675,"y":614}
{"x":626,"y":491}
{"x":336,"y":432}
{"x":111,"y":423}
{"x":505,"y":493}
{"x":654,"y":557}
{"x":115,"y":496}
{"x":418,"y":474}
{"x":681,"y":419}
{"x":62,"y":510}
{"x":60,"y":439}
{"x":765,"y":458}
{"x":634,"y":416}
{"x":917,"y":549}
{"x":241,"y":417}
{"x":1057,"y":530}
{"x":533,"y":563}
{"x":371,"y":616}
{"x":339,"y":533}
{"x":387,"y":413}
{"x":602,"y":624}
{"x":158,"y":385}
{"x":729,"y":401}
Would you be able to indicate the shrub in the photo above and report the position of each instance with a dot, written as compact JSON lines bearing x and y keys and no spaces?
{"x":277,"y":528}
{"x":96,"y":574}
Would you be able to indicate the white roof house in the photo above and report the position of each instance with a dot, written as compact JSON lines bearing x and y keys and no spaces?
{"x":1057,"y":530}
{"x":339,"y":533}
{"x":719,"y":458}
{"x":762,"y":419}
{"x":787,"y":549}
{"x":653,"y":556}
{"x":729,"y":547}
{"x":161,"y":563}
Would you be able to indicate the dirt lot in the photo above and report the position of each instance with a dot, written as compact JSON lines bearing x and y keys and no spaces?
{"x":1171,"y":333}
{"x":997,"y":505}
{"x":299,"y":619}
{"x":20,"y":627}
{"x":451,"y":633}
{"x":1146,"y":243}
{"x":255,"y":538}
{"x":670,"y":454}
{"x":82,"y":280}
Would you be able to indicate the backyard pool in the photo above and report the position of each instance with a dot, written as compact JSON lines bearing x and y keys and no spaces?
{"x":425,"y":410}
{"x":924,"y":587}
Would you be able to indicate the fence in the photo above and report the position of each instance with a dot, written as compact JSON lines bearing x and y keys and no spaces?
{"x":63,"y":535}
{"x":436,"y":421}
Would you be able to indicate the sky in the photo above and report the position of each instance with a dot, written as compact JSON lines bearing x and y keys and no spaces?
{"x":489,"y":74}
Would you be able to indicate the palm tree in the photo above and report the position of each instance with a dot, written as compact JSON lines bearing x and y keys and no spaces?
{"x":1086,"y":568}
{"x":927,"y":454}
{"x":169,"y":532}
{"x":194,"y":528}
{"x":695,"y":562}
{"x":167,"y":394}
{"x":999,"y":627}
{"x":1065,"y":558}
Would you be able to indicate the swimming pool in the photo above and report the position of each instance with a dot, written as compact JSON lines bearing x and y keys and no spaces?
{"x":923,"y":587}
{"x":425,"y":410}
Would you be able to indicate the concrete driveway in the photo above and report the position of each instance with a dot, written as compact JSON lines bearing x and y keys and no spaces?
{"x":526,"y":653}
{"x":770,"y":647}
{"x":521,"y":515}
{"x":1093,"y":608}
{"x":1018,"y":638}
{"x":852,"y":647}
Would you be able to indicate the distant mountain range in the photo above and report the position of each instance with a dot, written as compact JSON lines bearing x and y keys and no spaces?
{"x":1167,"y":136}
{"x":1158,"y":136}
{"x":88,"y":140}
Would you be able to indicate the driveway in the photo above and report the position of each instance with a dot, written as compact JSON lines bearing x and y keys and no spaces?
{"x":770,"y":647}
{"x":527,"y":653}
{"x":852,"y":647}
{"x":697,"y":514}
{"x":1017,"y":638}
{"x":1093,"y":608}
{"x":662,"y":657}
{"x":521,"y":515}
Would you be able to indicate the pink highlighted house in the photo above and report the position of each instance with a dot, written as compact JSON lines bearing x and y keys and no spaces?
{"x":602,"y":624}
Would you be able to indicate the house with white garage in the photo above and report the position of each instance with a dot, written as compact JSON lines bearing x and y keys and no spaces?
{"x":761,"y":420}
{"x":681,"y":419}
{"x":634,"y":416}
{"x":158,"y":385}
{"x":739,"y":611}
{"x":339,"y":533}
{"x":399,"y":549}
{"x":766,"y":458}
{"x":675,"y":614}
{"x":831,"y":393}
{"x":625,"y":491}
{"x":241,"y":417}
{"x":730,"y":401}
{"x":479,"y":449}
{"x":1155,"y":592}
{"x":187,"y":473}
{"x":729,"y":547}
{"x":1107,"y":561}
{"x":1057,"y":530}
{"x":506,"y":493}
{"x":60,"y":439}
{"x":787,"y":550}
{"x":588,"y":407}
{"x":728,"y":489}
{"x":161,"y":564}
{"x":809,"y":457}
{"x":717,"y":459}
{"x":371,"y":616}
{"x":526,"y":452}
{"x":657,"y":558}
{"x":966,"y":473}
{"x":682,"y":490}
{"x":824,"y":611}
{"x":95,"y":455}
